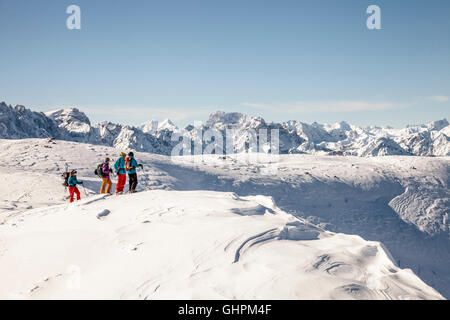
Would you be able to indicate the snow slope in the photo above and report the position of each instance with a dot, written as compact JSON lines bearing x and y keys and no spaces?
{"x":190,"y":245}
{"x":402,"y":202}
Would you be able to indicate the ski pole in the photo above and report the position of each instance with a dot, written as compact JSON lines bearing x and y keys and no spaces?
{"x":85,"y":193}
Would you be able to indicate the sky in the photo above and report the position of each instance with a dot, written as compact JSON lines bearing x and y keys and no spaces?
{"x":136,"y":60}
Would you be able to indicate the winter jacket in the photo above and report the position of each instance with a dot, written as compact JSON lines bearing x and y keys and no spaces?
{"x":106,"y":170}
{"x":120,"y":166}
{"x":132,"y":165}
{"x":72,"y":182}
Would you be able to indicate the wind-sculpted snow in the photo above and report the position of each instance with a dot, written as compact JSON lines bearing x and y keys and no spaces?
{"x":190,"y":245}
{"x":400,"y":201}
{"x":236,"y":130}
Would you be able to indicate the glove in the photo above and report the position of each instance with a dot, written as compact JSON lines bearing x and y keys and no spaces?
{"x":142,"y":167}
{"x":81,"y":182}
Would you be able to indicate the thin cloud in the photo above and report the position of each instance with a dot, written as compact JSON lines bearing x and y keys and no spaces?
{"x":325,"y":106}
{"x":439,"y":98}
{"x":143,"y":113}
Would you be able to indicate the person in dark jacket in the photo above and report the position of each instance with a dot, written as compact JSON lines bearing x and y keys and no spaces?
{"x":131,"y":165}
{"x":106,"y":179}
{"x":72,"y":184}
{"x":119,"y":166}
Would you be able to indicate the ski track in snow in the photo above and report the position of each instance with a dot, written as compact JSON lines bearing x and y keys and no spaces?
{"x":401,"y":202}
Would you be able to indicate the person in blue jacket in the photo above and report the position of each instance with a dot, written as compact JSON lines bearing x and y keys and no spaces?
{"x":119,"y":166}
{"x":72,"y":184}
{"x":131,"y":165}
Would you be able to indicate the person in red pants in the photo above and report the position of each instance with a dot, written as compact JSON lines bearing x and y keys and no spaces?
{"x":119,"y":166}
{"x":72,"y":183}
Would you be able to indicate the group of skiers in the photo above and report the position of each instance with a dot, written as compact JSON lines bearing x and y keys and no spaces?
{"x":125,"y":164}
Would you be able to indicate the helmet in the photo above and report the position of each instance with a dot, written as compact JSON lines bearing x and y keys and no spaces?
{"x":107,"y":159}
{"x":73,"y":172}
{"x":122,"y":154}
{"x":130,"y":154}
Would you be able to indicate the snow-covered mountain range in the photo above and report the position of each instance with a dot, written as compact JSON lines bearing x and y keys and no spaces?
{"x":295,"y":137}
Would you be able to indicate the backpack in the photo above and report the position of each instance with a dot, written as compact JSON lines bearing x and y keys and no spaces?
{"x":66,"y":176}
{"x":127,"y":163}
{"x":99,"y":170}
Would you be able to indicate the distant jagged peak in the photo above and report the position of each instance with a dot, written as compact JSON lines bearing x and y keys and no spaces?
{"x":383,"y":146}
{"x":317,"y":125}
{"x":446,"y":131}
{"x":221,"y":117}
{"x":150,"y":126}
{"x":20,"y":108}
{"x":438,"y":124}
{"x":106,"y":123}
{"x":335,"y":129}
{"x":342,"y":125}
{"x":221,"y":120}
{"x":167,"y":124}
{"x":68,"y":113}
{"x":4,"y":107}
{"x":433,"y":125}
{"x":71,"y":119}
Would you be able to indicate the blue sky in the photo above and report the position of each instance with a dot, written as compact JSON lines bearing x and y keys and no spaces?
{"x":304,"y":60}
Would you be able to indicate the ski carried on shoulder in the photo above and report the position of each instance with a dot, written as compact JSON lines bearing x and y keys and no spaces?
{"x":65,"y":177}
